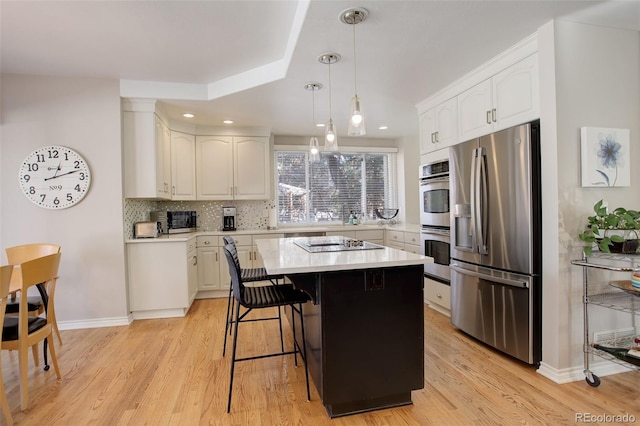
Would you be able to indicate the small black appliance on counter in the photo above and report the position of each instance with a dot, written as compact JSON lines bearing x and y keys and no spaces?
{"x":174,"y":222}
{"x":228,"y":218}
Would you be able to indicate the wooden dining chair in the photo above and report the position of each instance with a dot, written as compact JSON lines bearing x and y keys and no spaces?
{"x":5,"y":281}
{"x":23,"y":253}
{"x":22,"y":332}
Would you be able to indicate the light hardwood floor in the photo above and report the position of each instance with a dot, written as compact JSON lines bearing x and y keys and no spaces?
{"x":171,"y":372}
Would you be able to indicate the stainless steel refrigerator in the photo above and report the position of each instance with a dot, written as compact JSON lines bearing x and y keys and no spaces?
{"x":496,"y":234}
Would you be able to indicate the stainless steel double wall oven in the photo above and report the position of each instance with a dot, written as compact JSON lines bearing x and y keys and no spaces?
{"x":435,"y":219}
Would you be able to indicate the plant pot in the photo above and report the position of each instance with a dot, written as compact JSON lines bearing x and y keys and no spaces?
{"x":625,"y":247}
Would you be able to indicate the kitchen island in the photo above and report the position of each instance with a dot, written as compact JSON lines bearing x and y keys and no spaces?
{"x":364,"y":325}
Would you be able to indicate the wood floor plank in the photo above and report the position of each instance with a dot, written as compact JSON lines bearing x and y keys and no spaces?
{"x":171,"y":372}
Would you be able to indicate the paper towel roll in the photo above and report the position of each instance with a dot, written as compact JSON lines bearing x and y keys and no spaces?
{"x":273,"y":218}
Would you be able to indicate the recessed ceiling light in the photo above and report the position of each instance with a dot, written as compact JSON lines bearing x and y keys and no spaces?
{"x":320,"y":125}
{"x":383,"y":128}
{"x":188,"y":115}
{"x":228,"y":121}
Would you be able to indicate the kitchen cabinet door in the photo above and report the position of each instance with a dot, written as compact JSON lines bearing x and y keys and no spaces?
{"x":214,"y":167}
{"x":439,"y":126}
{"x":147,"y":156}
{"x":209,"y":268}
{"x":183,"y":161}
{"x":192,"y":273}
{"x":251,"y":168}
{"x":474,"y":111}
{"x":516,"y":94}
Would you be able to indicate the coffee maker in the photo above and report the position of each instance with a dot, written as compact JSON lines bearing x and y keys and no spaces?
{"x":228,"y":218}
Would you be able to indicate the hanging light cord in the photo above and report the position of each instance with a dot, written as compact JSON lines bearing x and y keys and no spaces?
{"x":355,"y":84}
{"x":329,"y":87}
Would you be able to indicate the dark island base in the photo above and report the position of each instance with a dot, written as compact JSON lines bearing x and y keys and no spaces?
{"x":355,"y":407}
{"x":364,"y":331}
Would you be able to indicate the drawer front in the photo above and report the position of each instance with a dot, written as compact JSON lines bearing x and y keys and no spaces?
{"x":412,"y":238}
{"x":438,"y":293}
{"x":370,"y":234}
{"x":241,"y":240}
{"x":207,"y":241}
{"x":395,"y":245}
{"x":412,"y":249}
{"x":395,"y":236}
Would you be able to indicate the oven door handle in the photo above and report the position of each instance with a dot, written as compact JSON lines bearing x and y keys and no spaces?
{"x":506,"y":281}
{"x":425,"y":181}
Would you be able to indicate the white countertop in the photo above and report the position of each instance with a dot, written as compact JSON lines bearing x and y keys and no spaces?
{"x":283,"y":256}
{"x":277,"y":232}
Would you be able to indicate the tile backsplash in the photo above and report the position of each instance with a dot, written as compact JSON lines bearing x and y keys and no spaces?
{"x":250,"y":214}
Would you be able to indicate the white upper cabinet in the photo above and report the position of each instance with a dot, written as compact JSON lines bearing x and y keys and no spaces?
{"x":183,"y":160}
{"x":147,"y":155}
{"x":509,"y":98}
{"x":214,"y":167}
{"x":232,"y":168}
{"x":516,"y":94}
{"x":439,"y":127}
{"x":251,"y":168}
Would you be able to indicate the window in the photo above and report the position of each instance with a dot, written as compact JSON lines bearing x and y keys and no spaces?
{"x":331,"y":189}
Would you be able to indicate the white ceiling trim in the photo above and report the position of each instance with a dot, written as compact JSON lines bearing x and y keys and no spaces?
{"x":258,"y":76}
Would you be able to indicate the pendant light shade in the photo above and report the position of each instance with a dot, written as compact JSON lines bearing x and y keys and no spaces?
{"x":330,"y":134}
{"x":314,"y":146}
{"x":356,"y":118}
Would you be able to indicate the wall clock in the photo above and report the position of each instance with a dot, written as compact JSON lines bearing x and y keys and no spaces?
{"x":54,"y":177}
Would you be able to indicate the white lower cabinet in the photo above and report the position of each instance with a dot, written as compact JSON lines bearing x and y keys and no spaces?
{"x":162,"y":278}
{"x":403,"y":240}
{"x":209,"y":262}
{"x":438,"y":296}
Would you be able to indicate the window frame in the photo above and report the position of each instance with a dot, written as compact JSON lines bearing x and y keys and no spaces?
{"x":392,"y":176}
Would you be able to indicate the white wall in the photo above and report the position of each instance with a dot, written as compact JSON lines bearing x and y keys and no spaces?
{"x":597,"y":84}
{"x":83,"y":114}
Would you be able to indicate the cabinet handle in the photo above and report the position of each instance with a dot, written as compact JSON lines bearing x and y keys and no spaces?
{"x":493,"y":114}
{"x":207,"y":242}
{"x":439,"y":296}
{"x":195,"y":260}
{"x":173,"y":190}
{"x":216,"y":256}
{"x":488,"y":117}
{"x":433,"y":137}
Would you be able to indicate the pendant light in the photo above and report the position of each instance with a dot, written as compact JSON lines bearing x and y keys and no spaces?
{"x":330,"y":134}
{"x":356,"y":119}
{"x":314,"y":146}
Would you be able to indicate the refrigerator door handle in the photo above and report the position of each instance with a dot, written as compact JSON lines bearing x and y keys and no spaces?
{"x":472,"y":200}
{"x":476,"y":200}
{"x":481,"y":198}
{"x":500,"y":280}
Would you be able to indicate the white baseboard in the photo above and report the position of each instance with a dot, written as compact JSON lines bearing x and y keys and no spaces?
{"x":95,"y":323}
{"x":575,"y":374}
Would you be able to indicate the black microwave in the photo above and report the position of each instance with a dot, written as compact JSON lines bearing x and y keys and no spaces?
{"x":174,"y":222}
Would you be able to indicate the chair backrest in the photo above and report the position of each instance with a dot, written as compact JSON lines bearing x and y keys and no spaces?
{"x":43,"y":270}
{"x":24,"y":253}
{"x":234,"y":252}
{"x":5,"y":281}
{"x":234,"y":271}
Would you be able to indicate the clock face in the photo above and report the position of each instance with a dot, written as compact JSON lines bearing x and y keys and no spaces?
{"x":54,"y":177}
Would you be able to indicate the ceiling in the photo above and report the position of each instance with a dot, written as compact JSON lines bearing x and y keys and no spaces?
{"x":249,"y":60}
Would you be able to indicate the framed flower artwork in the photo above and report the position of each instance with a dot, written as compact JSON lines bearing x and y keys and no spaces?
{"x":605,"y":157}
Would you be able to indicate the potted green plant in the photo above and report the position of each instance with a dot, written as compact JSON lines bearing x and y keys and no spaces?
{"x":613,"y":232}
